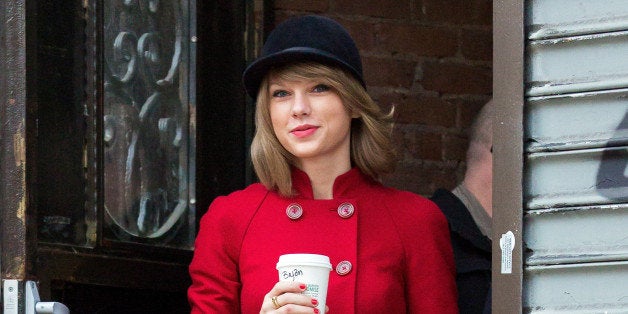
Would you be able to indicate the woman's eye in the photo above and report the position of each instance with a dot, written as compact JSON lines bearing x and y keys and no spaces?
{"x":280,"y":93}
{"x":320,"y":88}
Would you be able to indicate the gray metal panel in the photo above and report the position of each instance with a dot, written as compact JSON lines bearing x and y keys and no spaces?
{"x":562,"y":18}
{"x":580,"y":177}
{"x":577,"y":121}
{"x":579,"y":288}
{"x":577,"y":64}
{"x":576,"y":235}
{"x":575,"y":183}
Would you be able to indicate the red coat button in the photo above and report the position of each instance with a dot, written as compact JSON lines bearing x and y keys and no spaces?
{"x":343,"y":268}
{"x":294,"y":211}
{"x":345,"y":210}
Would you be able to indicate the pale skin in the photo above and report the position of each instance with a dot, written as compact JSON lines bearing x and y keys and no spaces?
{"x":311,"y":123}
{"x":479,"y":179}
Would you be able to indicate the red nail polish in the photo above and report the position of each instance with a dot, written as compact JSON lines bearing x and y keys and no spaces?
{"x":314,"y":301}
{"x":302,"y":286}
{"x":315,"y":311}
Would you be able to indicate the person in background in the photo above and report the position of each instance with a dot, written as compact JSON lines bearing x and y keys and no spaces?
{"x":320,"y":147}
{"x":469,"y":209}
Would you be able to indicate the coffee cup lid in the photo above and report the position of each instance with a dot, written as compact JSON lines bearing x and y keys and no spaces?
{"x":304,"y":260}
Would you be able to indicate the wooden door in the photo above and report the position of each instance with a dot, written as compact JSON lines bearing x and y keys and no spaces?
{"x":127,"y":118}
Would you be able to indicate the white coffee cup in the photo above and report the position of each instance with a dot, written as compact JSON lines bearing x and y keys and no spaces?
{"x":310,"y":269}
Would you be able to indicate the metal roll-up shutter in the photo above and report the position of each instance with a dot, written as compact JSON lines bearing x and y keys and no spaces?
{"x":575,"y":182}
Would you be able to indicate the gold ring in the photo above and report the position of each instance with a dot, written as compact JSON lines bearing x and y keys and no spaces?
{"x":275,"y":303}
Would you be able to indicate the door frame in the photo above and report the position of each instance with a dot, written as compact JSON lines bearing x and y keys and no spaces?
{"x":508,"y":95}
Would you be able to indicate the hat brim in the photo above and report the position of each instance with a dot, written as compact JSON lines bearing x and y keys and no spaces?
{"x":255,"y":72}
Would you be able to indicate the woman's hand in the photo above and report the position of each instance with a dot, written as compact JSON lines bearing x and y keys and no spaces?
{"x":287,"y":297}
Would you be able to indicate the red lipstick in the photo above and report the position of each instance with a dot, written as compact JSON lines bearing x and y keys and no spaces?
{"x":304,"y":130}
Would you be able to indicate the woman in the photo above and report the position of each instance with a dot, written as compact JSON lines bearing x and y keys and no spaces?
{"x":321,"y":144}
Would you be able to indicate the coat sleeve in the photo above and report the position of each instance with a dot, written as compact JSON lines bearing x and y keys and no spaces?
{"x":431,"y":274}
{"x":214,"y":268}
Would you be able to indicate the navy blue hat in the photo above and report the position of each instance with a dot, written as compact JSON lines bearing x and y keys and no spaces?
{"x":306,"y":38}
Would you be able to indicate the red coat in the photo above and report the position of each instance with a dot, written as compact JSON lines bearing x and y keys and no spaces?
{"x":397,"y":244}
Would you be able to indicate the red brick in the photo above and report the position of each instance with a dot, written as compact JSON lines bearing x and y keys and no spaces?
{"x":422,"y":110}
{"x":456,"y":12}
{"x":455,"y":147}
{"x":363,"y":33}
{"x":417,"y":40}
{"x":315,"y":6}
{"x":477,"y":44}
{"x":421,"y":178}
{"x":455,"y":78}
{"x":418,"y":144}
{"x":388,"y":72}
{"x":281,"y":16}
{"x":467,"y":110}
{"x":400,"y":139}
{"x":428,"y":146}
{"x":392,"y":9}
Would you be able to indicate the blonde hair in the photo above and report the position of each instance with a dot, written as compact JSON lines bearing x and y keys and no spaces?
{"x":371,"y":148}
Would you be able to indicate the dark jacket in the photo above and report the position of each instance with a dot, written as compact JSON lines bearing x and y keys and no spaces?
{"x":472,"y":253}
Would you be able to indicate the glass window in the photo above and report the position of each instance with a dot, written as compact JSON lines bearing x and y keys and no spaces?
{"x":148,"y":142}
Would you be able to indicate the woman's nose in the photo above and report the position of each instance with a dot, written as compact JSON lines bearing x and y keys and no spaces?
{"x":301,"y":105}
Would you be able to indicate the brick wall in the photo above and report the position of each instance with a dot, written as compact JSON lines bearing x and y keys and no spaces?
{"x":431,"y":59}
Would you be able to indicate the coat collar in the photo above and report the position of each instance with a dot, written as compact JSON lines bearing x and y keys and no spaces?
{"x":346,"y":185}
